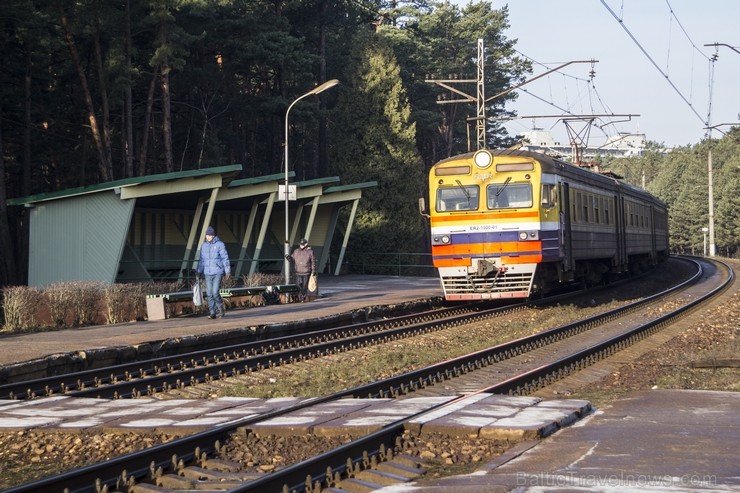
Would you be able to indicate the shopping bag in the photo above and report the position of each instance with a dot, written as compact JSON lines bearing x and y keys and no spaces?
{"x":313,"y":284}
{"x":197,"y":294}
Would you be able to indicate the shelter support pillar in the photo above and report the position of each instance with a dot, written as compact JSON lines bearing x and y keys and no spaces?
{"x":191,"y":237}
{"x":247,"y":236}
{"x":345,"y":240}
{"x":263,"y":233}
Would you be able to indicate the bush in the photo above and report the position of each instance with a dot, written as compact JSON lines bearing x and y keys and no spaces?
{"x":20,"y":304}
{"x":262,"y":279}
{"x":84,"y":298}
{"x":57,"y":299}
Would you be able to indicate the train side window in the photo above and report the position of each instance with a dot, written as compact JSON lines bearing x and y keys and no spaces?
{"x":549,"y":195}
{"x":597,"y":209}
{"x":457,"y":198}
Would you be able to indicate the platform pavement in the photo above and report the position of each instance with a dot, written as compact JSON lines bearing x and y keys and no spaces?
{"x":649,"y":441}
{"x":337,"y":295}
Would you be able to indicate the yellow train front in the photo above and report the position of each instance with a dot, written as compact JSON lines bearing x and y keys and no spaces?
{"x":506,"y":224}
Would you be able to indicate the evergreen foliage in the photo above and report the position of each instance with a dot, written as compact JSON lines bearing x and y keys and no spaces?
{"x":92,"y":91}
{"x":374,"y":140}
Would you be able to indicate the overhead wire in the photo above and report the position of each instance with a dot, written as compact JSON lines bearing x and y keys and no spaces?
{"x":652,"y":61}
{"x":569,"y":107}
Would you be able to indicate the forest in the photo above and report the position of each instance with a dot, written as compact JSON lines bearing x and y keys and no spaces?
{"x":96,"y":91}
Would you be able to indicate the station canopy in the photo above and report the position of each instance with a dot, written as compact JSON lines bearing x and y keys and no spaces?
{"x":150,"y":228}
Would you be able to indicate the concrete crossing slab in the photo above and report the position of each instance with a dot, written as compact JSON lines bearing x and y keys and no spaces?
{"x":474,"y":415}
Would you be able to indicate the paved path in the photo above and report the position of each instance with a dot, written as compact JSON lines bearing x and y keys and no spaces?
{"x":338,"y":295}
{"x":650,"y":441}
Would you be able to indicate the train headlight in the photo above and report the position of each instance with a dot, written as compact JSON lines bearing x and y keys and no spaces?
{"x":482,"y":159}
{"x":441,"y":240}
{"x":528,"y":235}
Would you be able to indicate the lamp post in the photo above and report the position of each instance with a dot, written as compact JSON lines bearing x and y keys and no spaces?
{"x":326,"y":85}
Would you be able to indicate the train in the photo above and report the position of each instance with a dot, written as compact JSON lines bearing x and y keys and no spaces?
{"x":520,"y":224}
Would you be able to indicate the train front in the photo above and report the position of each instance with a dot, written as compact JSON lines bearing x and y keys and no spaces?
{"x":485,"y":214}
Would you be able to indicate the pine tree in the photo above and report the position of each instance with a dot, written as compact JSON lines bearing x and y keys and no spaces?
{"x":374,"y":140}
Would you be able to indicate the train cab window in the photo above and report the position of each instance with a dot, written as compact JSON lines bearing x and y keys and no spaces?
{"x":509,"y":195}
{"x":457,"y":198}
{"x":549,"y":195}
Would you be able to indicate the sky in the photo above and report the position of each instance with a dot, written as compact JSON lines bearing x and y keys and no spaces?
{"x":671,"y":93}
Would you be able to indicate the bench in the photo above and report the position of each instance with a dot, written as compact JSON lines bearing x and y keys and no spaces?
{"x":157,"y":304}
{"x":287,"y":292}
{"x":243,"y":296}
{"x":245,"y":291}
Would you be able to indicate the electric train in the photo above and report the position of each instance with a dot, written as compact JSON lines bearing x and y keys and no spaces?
{"x":513,"y":224}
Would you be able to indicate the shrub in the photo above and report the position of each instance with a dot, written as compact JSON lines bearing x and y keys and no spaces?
{"x":57,"y":299}
{"x":262,"y":279}
{"x":84,"y":297}
{"x":20,"y":304}
{"x":116,"y":298}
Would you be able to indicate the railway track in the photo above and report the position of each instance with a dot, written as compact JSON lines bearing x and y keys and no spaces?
{"x":173,"y":374}
{"x":148,"y":377}
{"x":192,"y":457}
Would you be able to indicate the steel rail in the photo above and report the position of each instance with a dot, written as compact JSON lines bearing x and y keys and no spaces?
{"x":140,"y":464}
{"x":110,"y":375}
{"x":334,"y":462}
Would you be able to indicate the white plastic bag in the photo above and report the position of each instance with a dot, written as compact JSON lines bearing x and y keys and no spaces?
{"x":313,"y":283}
{"x":197,"y":294}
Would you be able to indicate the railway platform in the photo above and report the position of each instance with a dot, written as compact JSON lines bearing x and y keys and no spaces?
{"x":649,"y":441}
{"x":351,"y":297}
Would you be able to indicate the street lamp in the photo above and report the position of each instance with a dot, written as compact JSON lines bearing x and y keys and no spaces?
{"x":326,"y":85}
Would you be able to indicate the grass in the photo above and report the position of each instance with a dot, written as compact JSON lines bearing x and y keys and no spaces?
{"x":343,"y":371}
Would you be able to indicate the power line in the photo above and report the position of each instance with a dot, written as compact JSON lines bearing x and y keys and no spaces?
{"x":684,"y":30}
{"x":647,"y":55}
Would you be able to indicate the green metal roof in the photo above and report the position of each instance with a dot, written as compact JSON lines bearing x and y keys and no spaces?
{"x":261,"y":179}
{"x":229,"y":173}
{"x":354,"y":186}
{"x":318,"y":181}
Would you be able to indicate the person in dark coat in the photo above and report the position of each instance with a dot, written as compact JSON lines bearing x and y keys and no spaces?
{"x":305,"y":265}
{"x":214,"y":263}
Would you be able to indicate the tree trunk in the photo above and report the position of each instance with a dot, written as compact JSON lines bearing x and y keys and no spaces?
{"x":143,"y":148}
{"x":166,"y":119}
{"x":320,"y":162}
{"x":27,"y":189}
{"x":104,"y":166}
{"x":8,"y":274}
{"x":128,"y":99}
{"x":103,"y":91}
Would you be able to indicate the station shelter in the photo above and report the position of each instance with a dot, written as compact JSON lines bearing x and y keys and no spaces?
{"x":150,"y":228}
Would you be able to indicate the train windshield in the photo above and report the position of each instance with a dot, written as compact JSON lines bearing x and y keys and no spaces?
{"x":457,"y":198}
{"x":509,"y":195}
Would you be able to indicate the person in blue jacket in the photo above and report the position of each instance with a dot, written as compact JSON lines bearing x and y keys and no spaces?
{"x":214,"y":263}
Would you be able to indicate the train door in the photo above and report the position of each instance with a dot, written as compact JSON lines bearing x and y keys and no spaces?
{"x":621,"y":232}
{"x":653,"y":242}
{"x":566,"y":243}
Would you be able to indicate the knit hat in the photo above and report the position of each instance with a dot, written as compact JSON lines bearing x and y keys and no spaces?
{"x":210,"y":231}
